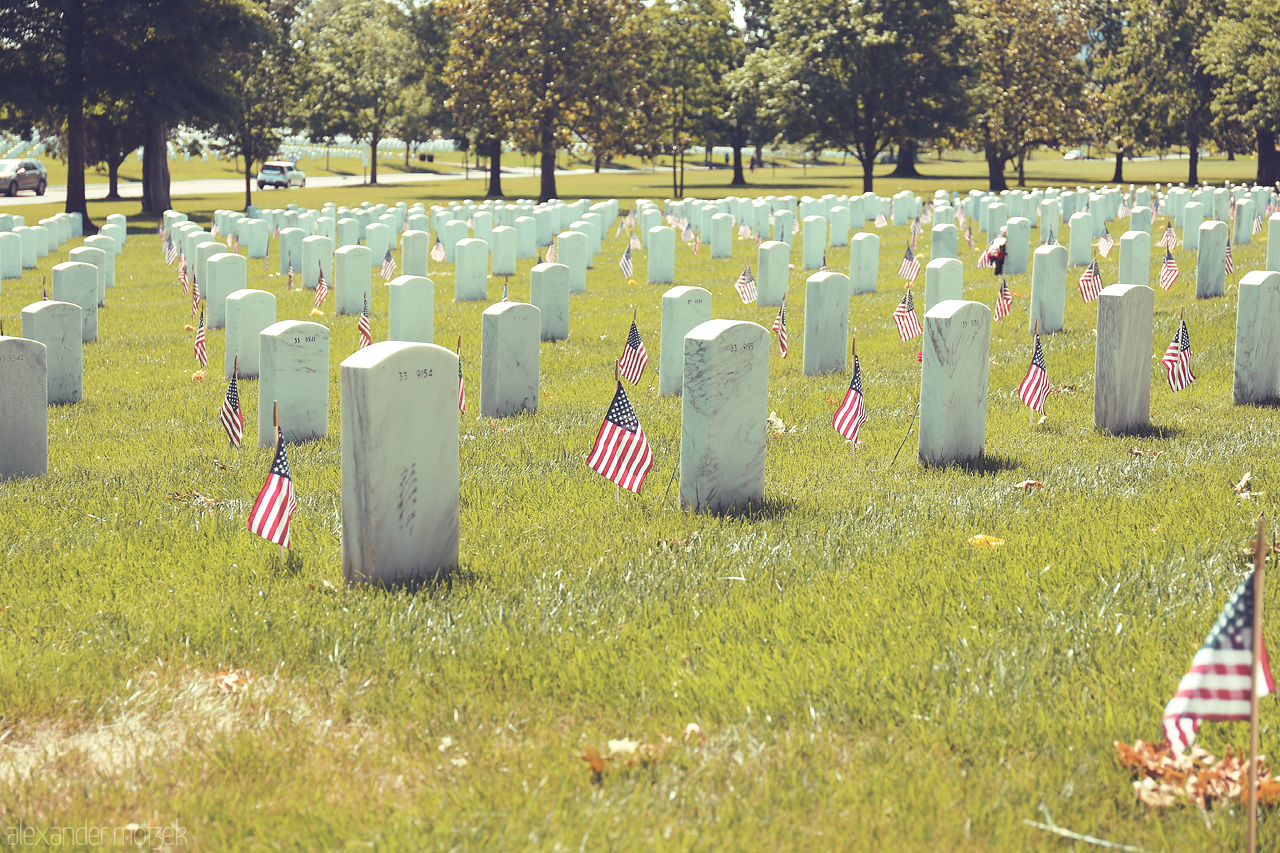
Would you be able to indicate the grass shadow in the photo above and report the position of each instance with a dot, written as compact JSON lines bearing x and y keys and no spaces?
{"x":984,"y":465}
{"x":1166,"y":432}
{"x":443,"y":581}
{"x":769,"y":508}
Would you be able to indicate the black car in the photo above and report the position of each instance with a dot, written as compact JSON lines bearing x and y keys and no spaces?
{"x":23,"y":175}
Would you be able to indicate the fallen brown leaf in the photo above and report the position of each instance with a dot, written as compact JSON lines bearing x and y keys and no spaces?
{"x":1028,"y":485}
{"x":231,"y":680}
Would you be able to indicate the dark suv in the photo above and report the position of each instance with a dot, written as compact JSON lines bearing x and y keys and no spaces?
{"x":23,"y":175}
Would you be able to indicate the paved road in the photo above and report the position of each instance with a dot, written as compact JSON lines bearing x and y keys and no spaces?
{"x":234,"y":186}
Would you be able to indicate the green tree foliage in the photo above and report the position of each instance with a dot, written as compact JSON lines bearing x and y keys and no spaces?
{"x":1118,"y":86}
{"x":360,"y":55}
{"x":1242,"y":52}
{"x":1030,"y":78}
{"x":695,"y":44}
{"x":528,"y":69}
{"x":110,"y":135}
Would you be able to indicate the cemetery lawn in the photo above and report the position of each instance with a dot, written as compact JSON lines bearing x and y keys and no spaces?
{"x":836,"y":669}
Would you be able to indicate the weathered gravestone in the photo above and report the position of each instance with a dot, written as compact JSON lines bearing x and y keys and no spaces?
{"x":352,"y":279}
{"x":549,"y":292}
{"x":660,"y":243}
{"x":1017,"y":246}
{"x":415,"y":247}
{"x":502,"y":258}
{"x":1256,"y":378}
{"x":571,"y":251}
{"x":293,"y":369}
{"x":773,"y":270}
{"x":116,"y":233}
{"x":782,"y":220}
{"x":97,"y":258}
{"x":839,"y":226}
{"x":411,"y":308}
{"x":226,"y":273}
{"x":864,"y":263}
{"x":58,"y":325}
{"x":28,"y":238}
{"x":471,"y":276}
{"x":813,"y":251}
{"x":1192,"y":219}
{"x":11,"y":255}
{"x":77,"y":283}
{"x":1080,"y":251}
{"x":1122,"y":366}
{"x":317,"y":257}
{"x":400,"y":471}
{"x":510,"y":333}
{"x":683,"y":308}
{"x":723,"y":416}
{"x":721,"y":235}
{"x":1211,"y":261}
{"x":24,"y":408}
{"x":1135,"y":258}
{"x":1048,"y":289}
{"x":1244,"y":222}
{"x":109,"y":259}
{"x":377,"y":239}
{"x":253,"y":238}
{"x":248,"y":313}
{"x":451,"y":234}
{"x":526,"y":237}
{"x":953,"y":382}
{"x":290,"y":251}
{"x":826,"y":323}
{"x":944,"y":242}
{"x":347,"y":232}
{"x":943,"y":280}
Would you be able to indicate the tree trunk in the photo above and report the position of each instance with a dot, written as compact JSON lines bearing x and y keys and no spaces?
{"x":1268,"y":159}
{"x":74,"y":49}
{"x":906,"y":167}
{"x":681,"y":193}
{"x":408,"y":149}
{"x":1118,"y":177}
{"x":599,"y":158}
{"x":868,"y":172}
{"x":113,"y":180}
{"x":547,"y":147}
{"x":155,"y":167}
{"x":995,"y":172}
{"x":675,"y":172}
{"x":1193,"y":158}
{"x":373,"y":157}
{"x":248,"y":184}
{"x":495,"y":168}
{"x":1022,"y":167}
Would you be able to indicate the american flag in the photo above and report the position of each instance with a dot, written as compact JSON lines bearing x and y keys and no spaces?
{"x":697,"y":243}
{"x":744,"y":231}
{"x":1035,"y":385}
{"x":213,"y":229}
{"x":881,"y":220}
{"x":621,"y":453}
{"x":388,"y":268}
{"x":170,"y":250}
{"x":795,"y":226}
{"x":968,"y":237}
{"x":960,"y":218}
{"x":182,"y":271}
{"x":266,"y":259}
{"x":687,"y":234}
{"x":551,"y":253}
{"x":1052,"y":240}
{"x":200,"y":350}
{"x":824,"y":262}
{"x":232,"y":419}
{"x":290,"y":282}
{"x":1177,"y":359}
{"x":1257,"y":223}
{"x":504,"y":291}
{"x":1105,"y":244}
{"x":1231,"y":264}
{"x":273,"y":510}
{"x":746,"y":286}
{"x":1168,"y":270}
{"x":437,"y":251}
{"x":1090,"y":282}
{"x":624,"y":263}
{"x":235,"y":245}
{"x":852,"y":413}
{"x":634,"y":243}
{"x":987,"y":259}
{"x":322,"y":289}
{"x":362,"y":325}
{"x":1004,"y":301}
{"x":904,"y":317}
{"x":462,"y":391}
{"x":634,"y":357}
{"x":1123,"y":210}
{"x":1217,"y":685}
{"x":910,"y":266}
{"x":916,"y":230}
{"x":780,"y":326}
{"x":1170,"y":238}
{"x":618,"y":233}
{"x":195,"y":297}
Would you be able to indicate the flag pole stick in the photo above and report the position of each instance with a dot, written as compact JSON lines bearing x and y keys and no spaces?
{"x":235,"y":377}
{"x":275,"y":419}
{"x":617,"y":494}
{"x":853,"y":445}
{"x":1259,"y":566}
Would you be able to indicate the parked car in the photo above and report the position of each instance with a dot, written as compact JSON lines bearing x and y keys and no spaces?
{"x":23,"y":175}
{"x":281,"y":173}
{"x":1074,"y":154}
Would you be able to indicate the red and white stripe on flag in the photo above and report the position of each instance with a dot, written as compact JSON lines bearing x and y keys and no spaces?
{"x":852,"y":413}
{"x":272,"y":512}
{"x":1035,"y":385}
{"x":634,"y":358}
{"x":621,"y":453}
{"x":904,"y":317}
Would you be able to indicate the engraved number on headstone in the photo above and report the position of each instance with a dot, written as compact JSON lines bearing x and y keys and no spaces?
{"x":743,"y":347}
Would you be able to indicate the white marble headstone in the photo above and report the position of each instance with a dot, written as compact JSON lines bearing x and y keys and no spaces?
{"x":317,"y":255}
{"x":502,"y":258}
{"x":108,"y":252}
{"x":826,"y":323}
{"x":660,"y":248}
{"x":24,"y":408}
{"x":248,"y":312}
{"x":1048,"y":289}
{"x":352,"y":279}
{"x":1017,"y":246}
{"x":510,"y":334}
{"x":293,"y":369}
{"x":1192,"y":218}
{"x":96,"y":257}
{"x":77,"y":283}
{"x":549,"y":292}
{"x":471,"y":275}
{"x":411,"y":309}
{"x":400,"y":468}
{"x":1211,"y":262}
{"x":1135,"y":258}
{"x":814,"y":247}
{"x":724,"y":409}
{"x":864,"y":263}
{"x":953,"y":382}
{"x":58,"y":325}
{"x":943,"y":280}
{"x":944,"y":241}
{"x":683,"y":308}
{"x":1256,"y":377}
{"x":1122,"y":367}
{"x":1080,"y":250}
{"x":226,"y":273}
{"x":773,"y":271}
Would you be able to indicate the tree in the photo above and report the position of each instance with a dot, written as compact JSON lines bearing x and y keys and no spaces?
{"x":694,"y":47}
{"x":262,"y":95}
{"x":111,"y":134}
{"x":1116,"y":62}
{"x":422,"y":100}
{"x":360,"y":54}
{"x":1030,"y":80}
{"x":526,"y":68}
{"x":1242,"y":52}
{"x":866,"y":74}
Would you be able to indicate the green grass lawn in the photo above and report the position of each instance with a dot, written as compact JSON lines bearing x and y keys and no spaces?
{"x":838,"y":669}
